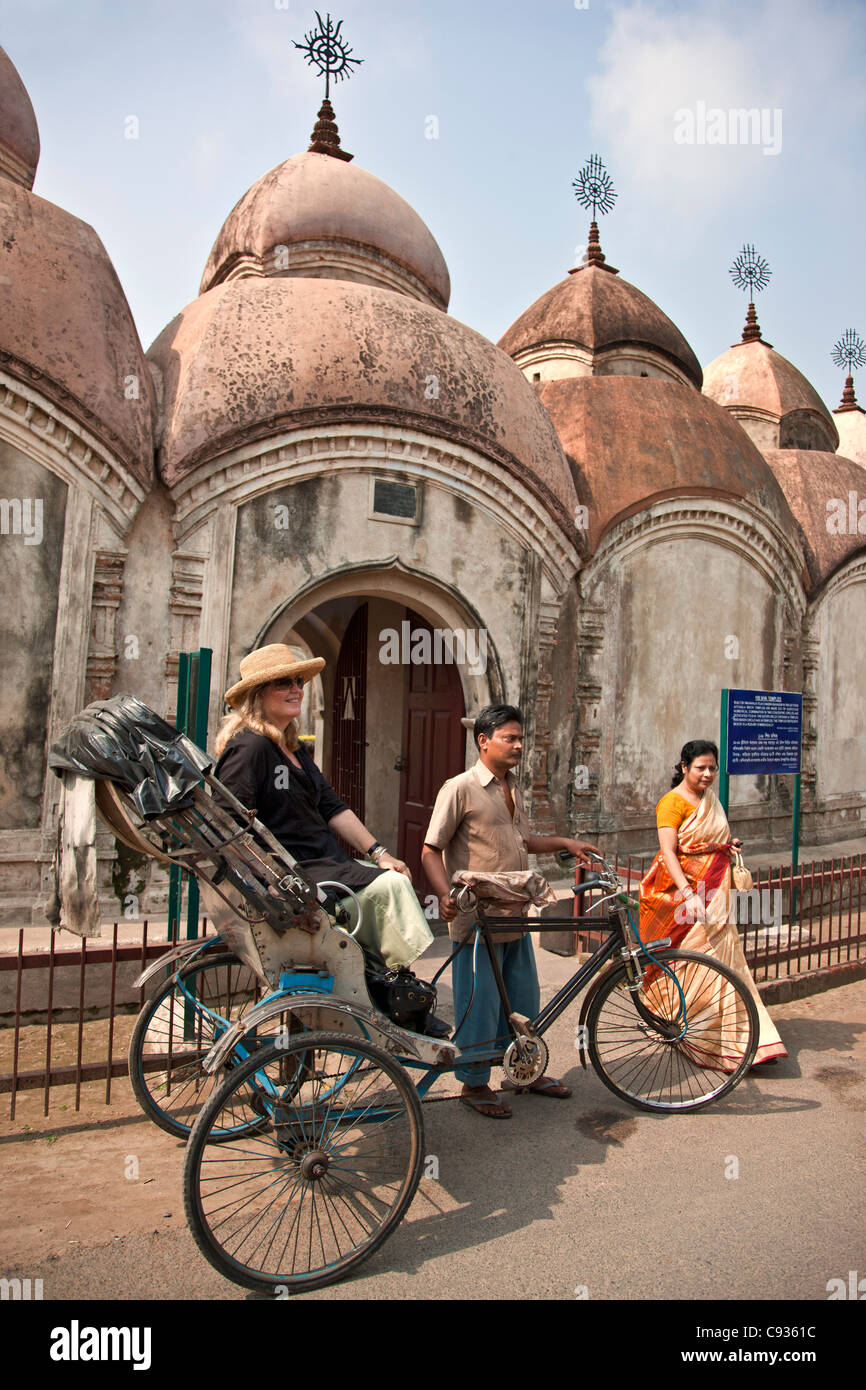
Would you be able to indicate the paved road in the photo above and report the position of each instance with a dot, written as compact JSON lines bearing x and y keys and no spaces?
{"x":582,"y":1198}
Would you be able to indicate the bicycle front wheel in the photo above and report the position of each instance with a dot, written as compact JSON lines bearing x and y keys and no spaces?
{"x":175,"y":1031}
{"x":325,"y":1177}
{"x":657,"y":1055}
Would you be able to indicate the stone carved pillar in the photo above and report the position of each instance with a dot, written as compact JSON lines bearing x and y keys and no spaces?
{"x":105,"y":601}
{"x":591,"y":628}
{"x":185,"y":604}
{"x":548,"y":617}
{"x":809,"y":763}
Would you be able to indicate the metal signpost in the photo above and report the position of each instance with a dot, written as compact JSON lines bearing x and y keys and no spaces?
{"x":760,"y":733}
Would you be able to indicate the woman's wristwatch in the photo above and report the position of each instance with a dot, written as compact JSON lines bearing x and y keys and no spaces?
{"x":376,"y":851}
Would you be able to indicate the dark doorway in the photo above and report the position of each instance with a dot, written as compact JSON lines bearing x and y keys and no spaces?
{"x":349,"y":715}
{"x":433,"y":749}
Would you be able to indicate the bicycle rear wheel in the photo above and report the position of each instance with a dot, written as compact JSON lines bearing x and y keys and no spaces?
{"x":649,"y":1054}
{"x":320,"y":1185}
{"x":175,"y":1031}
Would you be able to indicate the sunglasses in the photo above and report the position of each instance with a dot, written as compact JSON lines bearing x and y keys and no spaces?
{"x":287,"y":682}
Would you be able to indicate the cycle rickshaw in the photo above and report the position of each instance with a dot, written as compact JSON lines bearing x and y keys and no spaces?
{"x":263,"y":1046}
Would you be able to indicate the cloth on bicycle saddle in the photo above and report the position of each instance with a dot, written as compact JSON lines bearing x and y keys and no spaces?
{"x":512,"y":894}
{"x":123,"y":741}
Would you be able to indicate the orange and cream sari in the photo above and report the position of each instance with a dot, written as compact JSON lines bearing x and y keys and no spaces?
{"x":703,"y":850}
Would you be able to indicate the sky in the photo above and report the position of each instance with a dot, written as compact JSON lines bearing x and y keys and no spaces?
{"x":522,"y":94}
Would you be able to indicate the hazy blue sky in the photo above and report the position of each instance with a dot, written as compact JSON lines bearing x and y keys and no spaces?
{"x":523,"y":93}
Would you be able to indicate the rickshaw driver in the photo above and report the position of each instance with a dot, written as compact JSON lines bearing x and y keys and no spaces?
{"x":479,"y":823}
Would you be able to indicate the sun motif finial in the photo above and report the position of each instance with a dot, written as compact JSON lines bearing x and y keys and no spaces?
{"x":328,"y":51}
{"x":751,"y":272}
{"x":848,"y":353}
{"x":593,"y":188}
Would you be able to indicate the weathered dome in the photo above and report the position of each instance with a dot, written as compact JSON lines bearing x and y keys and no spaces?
{"x":254,"y":357}
{"x":632,"y":441}
{"x":601,"y":325}
{"x":770,"y":398}
{"x":819,"y":487}
{"x":65,"y":325}
{"x":19,"y":133}
{"x":316,"y":216}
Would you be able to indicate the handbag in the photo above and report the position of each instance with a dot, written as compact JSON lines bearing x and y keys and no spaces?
{"x":740,"y":875}
{"x":402,"y":996}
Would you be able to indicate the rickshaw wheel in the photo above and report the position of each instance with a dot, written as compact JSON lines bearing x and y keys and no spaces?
{"x":641,"y":1050}
{"x":328,"y":1175}
{"x":181,"y":1031}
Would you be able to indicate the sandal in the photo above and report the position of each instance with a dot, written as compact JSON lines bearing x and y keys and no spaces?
{"x":492,"y":1109}
{"x":544,"y":1086}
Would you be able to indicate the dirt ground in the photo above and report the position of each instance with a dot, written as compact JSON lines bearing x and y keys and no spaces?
{"x":87,"y":1177}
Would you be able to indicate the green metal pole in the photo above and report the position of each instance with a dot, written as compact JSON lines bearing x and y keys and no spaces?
{"x":795,"y":845}
{"x":175,"y":876}
{"x":199,"y":698}
{"x":723,"y":753}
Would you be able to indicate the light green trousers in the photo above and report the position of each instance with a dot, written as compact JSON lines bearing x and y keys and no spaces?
{"x":393,"y":925}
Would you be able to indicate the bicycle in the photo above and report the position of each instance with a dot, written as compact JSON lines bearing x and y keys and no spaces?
{"x":306,"y":1134}
{"x":665,"y":1029}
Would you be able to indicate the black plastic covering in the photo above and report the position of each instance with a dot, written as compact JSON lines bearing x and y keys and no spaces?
{"x":121,"y":740}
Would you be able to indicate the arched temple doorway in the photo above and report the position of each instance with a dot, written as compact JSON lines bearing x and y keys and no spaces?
{"x":392,"y":696}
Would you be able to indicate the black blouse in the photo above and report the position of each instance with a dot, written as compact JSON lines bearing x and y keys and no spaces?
{"x":295,"y":807}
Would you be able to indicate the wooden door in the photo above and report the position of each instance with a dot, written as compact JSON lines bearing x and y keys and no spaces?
{"x":433,"y":749}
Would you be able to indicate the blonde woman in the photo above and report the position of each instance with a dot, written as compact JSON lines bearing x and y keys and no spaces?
{"x":263,"y":763}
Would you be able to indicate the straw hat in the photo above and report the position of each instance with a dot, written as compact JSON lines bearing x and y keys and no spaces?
{"x":271,"y":663}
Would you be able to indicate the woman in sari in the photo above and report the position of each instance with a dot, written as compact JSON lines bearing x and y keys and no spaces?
{"x":686,"y":892}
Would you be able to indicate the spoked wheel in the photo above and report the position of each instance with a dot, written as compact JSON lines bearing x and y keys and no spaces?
{"x":646,"y":1050}
{"x":320,"y":1186}
{"x":174,"y":1033}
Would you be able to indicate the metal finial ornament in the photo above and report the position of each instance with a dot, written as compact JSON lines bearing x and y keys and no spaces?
{"x":328,"y":51}
{"x":593,"y":187}
{"x":750,"y":271}
{"x":849,"y":352}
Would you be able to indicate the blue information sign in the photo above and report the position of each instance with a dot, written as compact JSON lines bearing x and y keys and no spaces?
{"x":764,"y":729}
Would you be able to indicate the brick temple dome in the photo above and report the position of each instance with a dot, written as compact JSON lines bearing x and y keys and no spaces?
{"x":19,"y":133}
{"x":317,"y":216}
{"x":252,"y":357}
{"x":633,"y":441}
{"x":67,"y":328}
{"x":763,"y":389}
{"x":819,"y":486}
{"x":595,"y":323}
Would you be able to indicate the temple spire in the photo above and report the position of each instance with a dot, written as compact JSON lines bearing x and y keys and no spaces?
{"x":330,"y":54}
{"x":594,"y":189}
{"x":325,"y":138}
{"x":751,"y":272}
{"x":849,"y":352}
{"x":752,"y":330}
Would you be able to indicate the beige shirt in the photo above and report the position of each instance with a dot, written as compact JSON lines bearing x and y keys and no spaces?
{"x":472,"y":825}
